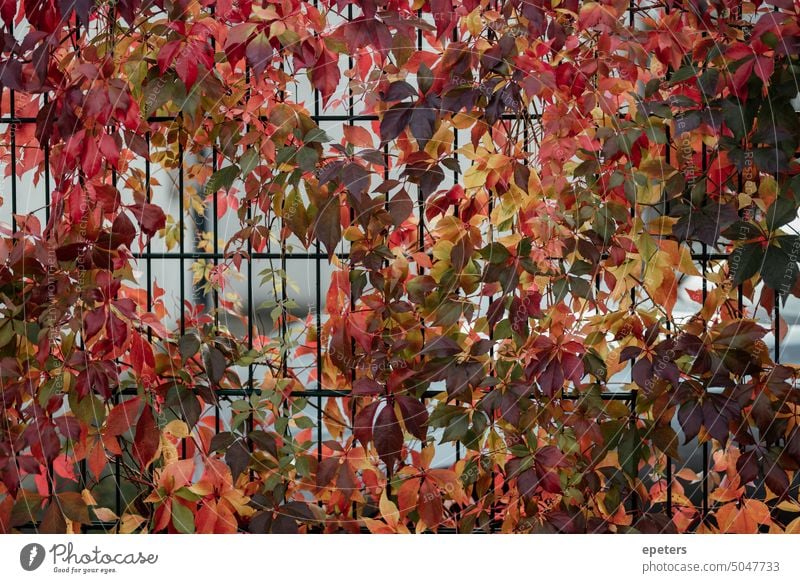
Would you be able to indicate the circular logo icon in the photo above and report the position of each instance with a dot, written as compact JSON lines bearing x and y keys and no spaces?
{"x":31,"y":556}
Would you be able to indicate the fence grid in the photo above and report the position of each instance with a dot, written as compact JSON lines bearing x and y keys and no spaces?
{"x":314,"y":256}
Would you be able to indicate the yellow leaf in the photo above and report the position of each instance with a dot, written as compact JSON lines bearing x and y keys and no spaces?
{"x":686,"y":264}
{"x":768,"y":189}
{"x":793,"y":527}
{"x":441,"y":141}
{"x":130,"y":523}
{"x":105,"y":514}
{"x":389,"y":510}
{"x":426,"y":456}
{"x":649,"y":193}
{"x":474,"y":22}
{"x":177,"y":428}
{"x":87,"y":497}
{"x":475,"y":177}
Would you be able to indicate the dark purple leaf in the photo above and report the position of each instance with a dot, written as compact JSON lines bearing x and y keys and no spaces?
{"x":388,"y":436}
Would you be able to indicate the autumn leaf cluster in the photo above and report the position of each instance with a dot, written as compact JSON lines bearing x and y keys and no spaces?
{"x":560,"y":235}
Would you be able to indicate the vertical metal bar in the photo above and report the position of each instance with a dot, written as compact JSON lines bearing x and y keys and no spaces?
{"x":634,"y":393}
{"x":705,"y":485}
{"x":350,"y":122}
{"x":668,"y":477}
{"x":777,"y":326}
{"x":215,"y":292}
{"x":250,"y":307}
{"x":117,"y":399}
{"x":493,"y":505}
{"x":148,"y":260}
{"x":318,"y":301}
{"x":181,"y":229}
{"x":215,"y":243}
{"x":46,"y":151}
{"x":13,"y":131}
{"x":181,"y":242}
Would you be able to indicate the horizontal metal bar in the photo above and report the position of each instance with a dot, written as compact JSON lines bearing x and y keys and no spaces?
{"x":212,"y":255}
{"x":315,"y":118}
{"x":312,"y":255}
{"x":611,"y":396}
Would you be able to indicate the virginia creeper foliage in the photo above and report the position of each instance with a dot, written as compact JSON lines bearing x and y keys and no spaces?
{"x":560,"y":239}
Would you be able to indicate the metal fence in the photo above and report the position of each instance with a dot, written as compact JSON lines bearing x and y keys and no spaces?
{"x":314,"y":260}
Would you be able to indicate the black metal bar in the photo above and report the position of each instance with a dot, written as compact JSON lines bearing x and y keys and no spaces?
{"x":320,"y":118}
{"x":318,"y":308}
{"x":321,"y":255}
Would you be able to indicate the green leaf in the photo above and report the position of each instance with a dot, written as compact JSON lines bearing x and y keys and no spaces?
{"x":187,"y":494}
{"x":682,"y":74}
{"x":780,"y":213}
{"x":222,"y":178}
{"x":307,"y":159}
{"x":745,"y":262}
{"x":316,"y":135}
{"x":248,"y":161}
{"x":630,"y":452}
{"x":456,"y":428}
{"x":188,"y":346}
{"x":182,"y":518}
{"x":780,"y":270}
{"x":495,"y":253}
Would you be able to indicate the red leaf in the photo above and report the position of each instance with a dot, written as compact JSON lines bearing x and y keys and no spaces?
{"x":550,"y":456}
{"x":93,"y":322}
{"x":527,"y":482}
{"x":328,"y":226}
{"x":235,"y":44}
{"x":549,"y":480}
{"x":186,"y":67}
{"x":518,"y":316}
{"x":366,"y":386}
{"x":430,"y":504}
{"x":121,"y":417}
{"x":141,"y":354}
{"x":764,"y":67}
{"x":8,"y":8}
{"x":122,"y":232}
{"x":97,"y":459}
{"x":362,"y":426}
{"x":166,"y":56}
{"x":259,"y":53}
{"x":146,"y":441}
{"x":117,"y":330}
{"x":325,"y":74}
{"x":552,"y":378}
{"x":442,"y":11}
{"x":151,"y":218}
{"x":747,"y":466}
{"x":415,"y":416}
{"x":388,"y":436}
{"x":326,"y":471}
